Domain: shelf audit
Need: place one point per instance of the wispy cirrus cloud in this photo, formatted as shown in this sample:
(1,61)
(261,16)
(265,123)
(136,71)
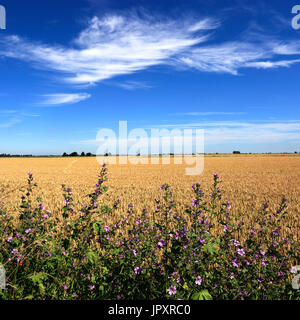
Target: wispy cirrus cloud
(208,113)
(132,85)
(9,123)
(284,124)
(34,115)
(216,133)
(244,131)
(116,45)
(111,46)
(271,64)
(13,117)
(63,98)
(230,57)
(7,112)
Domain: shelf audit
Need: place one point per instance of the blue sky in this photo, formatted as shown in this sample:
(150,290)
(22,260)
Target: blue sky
(69,68)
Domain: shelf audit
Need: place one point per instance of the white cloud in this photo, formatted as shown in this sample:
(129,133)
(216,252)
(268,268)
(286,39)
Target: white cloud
(63,98)
(132,85)
(208,113)
(231,56)
(243,131)
(7,111)
(285,48)
(118,45)
(30,115)
(9,123)
(17,117)
(218,132)
(111,46)
(271,64)
(205,24)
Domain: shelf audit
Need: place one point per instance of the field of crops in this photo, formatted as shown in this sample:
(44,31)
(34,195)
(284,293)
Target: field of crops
(242,231)
(248,181)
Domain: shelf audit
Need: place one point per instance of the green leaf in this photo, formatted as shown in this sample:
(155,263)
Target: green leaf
(202,295)
(38,277)
(91,256)
(115,251)
(185,286)
(42,288)
(97,227)
(211,248)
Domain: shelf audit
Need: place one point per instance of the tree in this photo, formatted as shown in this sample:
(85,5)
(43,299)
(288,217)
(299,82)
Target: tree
(82,154)
(65,154)
(88,154)
(236,152)
(74,154)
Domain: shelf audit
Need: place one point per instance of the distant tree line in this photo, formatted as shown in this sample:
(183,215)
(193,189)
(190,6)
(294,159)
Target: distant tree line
(75,154)
(89,154)
(7,155)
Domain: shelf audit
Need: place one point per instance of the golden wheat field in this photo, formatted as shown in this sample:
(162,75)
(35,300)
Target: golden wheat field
(248,180)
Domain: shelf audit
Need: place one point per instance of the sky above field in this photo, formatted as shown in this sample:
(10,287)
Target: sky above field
(70,68)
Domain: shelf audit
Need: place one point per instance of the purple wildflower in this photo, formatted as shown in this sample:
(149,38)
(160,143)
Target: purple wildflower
(160,244)
(235,263)
(235,242)
(264,262)
(172,290)
(228,206)
(14,251)
(198,281)
(275,244)
(137,270)
(262,252)
(241,252)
